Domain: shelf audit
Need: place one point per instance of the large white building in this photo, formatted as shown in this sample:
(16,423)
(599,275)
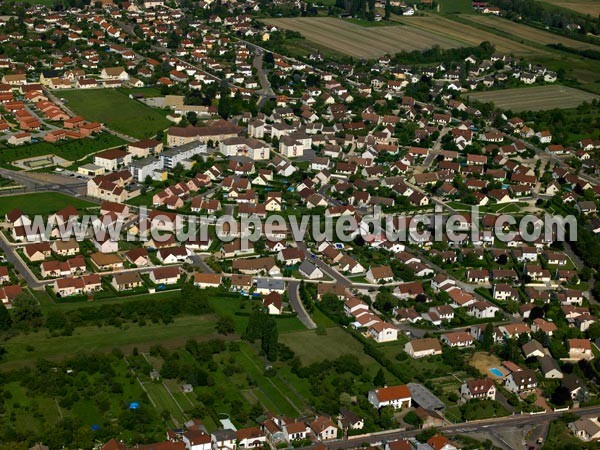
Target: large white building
(249,147)
(142,168)
(176,155)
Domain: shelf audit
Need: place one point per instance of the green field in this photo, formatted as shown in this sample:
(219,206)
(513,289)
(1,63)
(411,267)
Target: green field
(40,203)
(71,150)
(537,98)
(117,111)
(456,7)
(147,92)
(27,348)
(312,347)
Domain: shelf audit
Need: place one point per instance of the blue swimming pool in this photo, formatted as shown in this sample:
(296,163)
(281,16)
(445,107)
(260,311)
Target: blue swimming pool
(496,372)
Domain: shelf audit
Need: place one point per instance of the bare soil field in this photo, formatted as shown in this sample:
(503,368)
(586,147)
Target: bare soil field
(483,362)
(591,7)
(364,42)
(467,35)
(526,32)
(536,98)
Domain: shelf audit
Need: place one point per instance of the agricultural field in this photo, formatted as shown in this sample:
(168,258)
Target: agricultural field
(465,34)
(43,203)
(528,33)
(363,42)
(591,7)
(536,98)
(71,150)
(117,111)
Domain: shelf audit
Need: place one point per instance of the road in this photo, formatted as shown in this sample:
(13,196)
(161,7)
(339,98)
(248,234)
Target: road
(39,181)
(493,425)
(297,306)
(198,261)
(15,259)
(326,268)
(266,92)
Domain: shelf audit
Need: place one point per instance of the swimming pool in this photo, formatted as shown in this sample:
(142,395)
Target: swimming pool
(496,372)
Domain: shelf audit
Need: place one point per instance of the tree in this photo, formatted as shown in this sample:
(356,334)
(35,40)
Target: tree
(5,320)
(55,320)
(561,396)
(225,104)
(192,118)
(488,337)
(379,380)
(262,326)
(594,331)
(388,10)
(27,311)
(225,325)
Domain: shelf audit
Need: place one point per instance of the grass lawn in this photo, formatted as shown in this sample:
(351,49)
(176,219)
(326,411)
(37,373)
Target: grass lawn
(43,203)
(71,150)
(147,92)
(27,348)
(311,347)
(116,110)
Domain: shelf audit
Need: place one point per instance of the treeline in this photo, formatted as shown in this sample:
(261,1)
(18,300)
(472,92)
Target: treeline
(585,52)
(551,16)
(569,126)
(362,9)
(261,326)
(438,54)
(27,314)
(192,301)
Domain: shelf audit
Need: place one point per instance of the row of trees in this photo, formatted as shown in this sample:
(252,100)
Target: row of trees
(261,326)
(548,15)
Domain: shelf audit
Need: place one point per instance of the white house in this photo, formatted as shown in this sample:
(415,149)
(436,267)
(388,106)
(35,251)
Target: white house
(481,389)
(396,396)
(383,332)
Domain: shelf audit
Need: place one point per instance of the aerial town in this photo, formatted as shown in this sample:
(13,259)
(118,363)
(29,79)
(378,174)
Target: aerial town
(299,224)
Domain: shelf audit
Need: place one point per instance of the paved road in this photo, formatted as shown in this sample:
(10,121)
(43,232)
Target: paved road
(38,181)
(297,306)
(326,268)
(266,92)
(480,426)
(15,259)
(198,261)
